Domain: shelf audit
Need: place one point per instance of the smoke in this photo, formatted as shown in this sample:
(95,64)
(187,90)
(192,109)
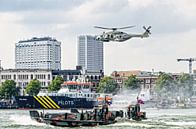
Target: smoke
(124,98)
(173,93)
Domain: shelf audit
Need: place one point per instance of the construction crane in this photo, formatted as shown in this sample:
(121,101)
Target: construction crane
(190,60)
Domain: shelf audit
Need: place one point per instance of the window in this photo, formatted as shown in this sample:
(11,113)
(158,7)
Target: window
(31,76)
(14,76)
(48,76)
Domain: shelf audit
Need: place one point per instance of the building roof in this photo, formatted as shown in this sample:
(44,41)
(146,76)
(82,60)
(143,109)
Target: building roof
(126,73)
(66,72)
(77,83)
(26,70)
(38,39)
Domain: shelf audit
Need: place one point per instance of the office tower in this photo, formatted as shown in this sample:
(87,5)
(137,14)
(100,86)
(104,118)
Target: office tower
(90,53)
(38,53)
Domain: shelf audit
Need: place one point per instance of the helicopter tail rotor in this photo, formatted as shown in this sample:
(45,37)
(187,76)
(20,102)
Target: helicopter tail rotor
(147,30)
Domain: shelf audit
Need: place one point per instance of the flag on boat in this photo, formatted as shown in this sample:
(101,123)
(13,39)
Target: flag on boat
(139,101)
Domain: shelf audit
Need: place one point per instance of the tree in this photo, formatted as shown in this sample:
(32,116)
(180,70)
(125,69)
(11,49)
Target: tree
(132,83)
(185,78)
(107,85)
(185,85)
(33,87)
(56,84)
(8,89)
(164,81)
(166,86)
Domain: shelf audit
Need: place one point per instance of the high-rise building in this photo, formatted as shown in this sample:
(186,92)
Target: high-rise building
(90,53)
(38,53)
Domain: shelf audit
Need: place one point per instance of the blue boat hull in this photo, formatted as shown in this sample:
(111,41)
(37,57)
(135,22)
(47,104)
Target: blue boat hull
(53,102)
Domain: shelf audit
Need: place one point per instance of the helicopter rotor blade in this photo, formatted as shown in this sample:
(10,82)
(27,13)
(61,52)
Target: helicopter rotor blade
(126,27)
(99,27)
(113,28)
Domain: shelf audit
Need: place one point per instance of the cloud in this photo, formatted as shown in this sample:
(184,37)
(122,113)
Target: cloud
(173,29)
(32,5)
(185,8)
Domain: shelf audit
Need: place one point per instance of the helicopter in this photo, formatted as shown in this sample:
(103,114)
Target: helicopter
(119,36)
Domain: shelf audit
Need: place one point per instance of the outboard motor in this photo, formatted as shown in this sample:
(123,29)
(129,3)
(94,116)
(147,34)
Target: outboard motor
(35,115)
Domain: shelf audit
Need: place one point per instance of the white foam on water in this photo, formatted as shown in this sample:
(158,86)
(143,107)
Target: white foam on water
(24,120)
(182,123)
(133,124)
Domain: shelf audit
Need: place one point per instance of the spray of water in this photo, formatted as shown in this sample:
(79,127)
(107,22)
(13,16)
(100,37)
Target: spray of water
(124,98)
(24,120)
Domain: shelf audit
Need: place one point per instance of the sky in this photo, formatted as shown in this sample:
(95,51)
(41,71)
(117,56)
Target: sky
(173,30)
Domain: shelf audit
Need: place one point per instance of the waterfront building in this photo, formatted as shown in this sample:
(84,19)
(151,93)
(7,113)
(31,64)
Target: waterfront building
(22,77)
(90,54)
(38,53)
(147,80)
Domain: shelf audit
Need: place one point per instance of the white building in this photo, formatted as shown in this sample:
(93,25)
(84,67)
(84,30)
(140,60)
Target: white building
(22,77)
(90,53)
(38,53)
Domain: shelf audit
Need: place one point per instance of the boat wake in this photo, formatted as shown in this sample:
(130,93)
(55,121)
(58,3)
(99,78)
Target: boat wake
(24,120)
(130,124)
(166,122)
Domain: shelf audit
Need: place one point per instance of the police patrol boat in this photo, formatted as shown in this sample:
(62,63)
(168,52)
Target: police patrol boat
(71,95)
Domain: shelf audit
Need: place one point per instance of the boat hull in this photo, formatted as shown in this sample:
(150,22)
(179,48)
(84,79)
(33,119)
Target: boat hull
(53,102)
(76,119)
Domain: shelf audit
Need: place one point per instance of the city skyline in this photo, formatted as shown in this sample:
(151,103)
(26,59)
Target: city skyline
(173,30)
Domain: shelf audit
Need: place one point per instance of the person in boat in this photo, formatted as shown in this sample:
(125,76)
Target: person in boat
(135,111)
(95,113)
(41,114)
(129,112)
(104,111)
(65,116)
(82,115)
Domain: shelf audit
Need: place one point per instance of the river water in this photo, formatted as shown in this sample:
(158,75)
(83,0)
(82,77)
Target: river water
(157,119)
